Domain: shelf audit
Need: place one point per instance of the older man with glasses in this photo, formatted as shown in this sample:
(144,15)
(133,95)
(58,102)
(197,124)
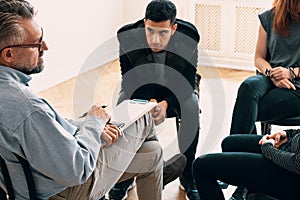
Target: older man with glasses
(67,160)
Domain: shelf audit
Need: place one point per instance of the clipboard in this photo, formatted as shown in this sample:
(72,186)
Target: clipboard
(129,111)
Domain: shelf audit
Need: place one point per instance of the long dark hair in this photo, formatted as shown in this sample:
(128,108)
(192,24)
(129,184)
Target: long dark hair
(285,12)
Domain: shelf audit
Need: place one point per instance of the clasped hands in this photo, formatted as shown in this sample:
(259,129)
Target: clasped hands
(111,132)
(280,76)
(277,139)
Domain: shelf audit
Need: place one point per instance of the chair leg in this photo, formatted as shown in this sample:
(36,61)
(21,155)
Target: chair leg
(265,128)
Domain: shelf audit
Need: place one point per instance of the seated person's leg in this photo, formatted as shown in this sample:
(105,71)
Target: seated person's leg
(227,167)
(279,103)
(173,168)
(147,168)
(114,160)
(188,137)
(250,170)
(235,168)
(241,143)
(246,106)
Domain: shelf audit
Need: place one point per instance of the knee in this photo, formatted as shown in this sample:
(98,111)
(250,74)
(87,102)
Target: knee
(201,164)
(159,152)
(158,156)
(153,148)
(251,85)
(229,143)
(225,145)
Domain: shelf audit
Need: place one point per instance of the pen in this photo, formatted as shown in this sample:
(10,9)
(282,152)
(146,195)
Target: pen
(85,114)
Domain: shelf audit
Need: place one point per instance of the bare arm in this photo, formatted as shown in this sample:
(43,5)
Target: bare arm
(279,76)
(261,51)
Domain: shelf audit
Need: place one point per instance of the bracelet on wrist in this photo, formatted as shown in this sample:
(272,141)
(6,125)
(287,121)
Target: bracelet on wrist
(292,73)
(298,72)
(267,72)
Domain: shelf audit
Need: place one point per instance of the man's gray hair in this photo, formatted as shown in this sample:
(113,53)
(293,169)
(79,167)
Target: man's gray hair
(11,14)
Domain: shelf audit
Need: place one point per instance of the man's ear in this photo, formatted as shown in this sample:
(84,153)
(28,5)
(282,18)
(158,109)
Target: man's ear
(174,27)
(7,55)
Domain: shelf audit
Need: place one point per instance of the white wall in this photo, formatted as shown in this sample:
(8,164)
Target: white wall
(133,10)
(81,34)
(73,29)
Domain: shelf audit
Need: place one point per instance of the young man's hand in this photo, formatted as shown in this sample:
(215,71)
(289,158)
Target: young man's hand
(159,112)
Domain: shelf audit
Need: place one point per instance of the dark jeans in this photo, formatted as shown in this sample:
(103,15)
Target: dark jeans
(258,99)
(243,164)
(188,134)
(190,157)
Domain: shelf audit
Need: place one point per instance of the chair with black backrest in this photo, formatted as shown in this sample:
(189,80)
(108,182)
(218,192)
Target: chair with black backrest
(190,31)
(185,28)
(9,193)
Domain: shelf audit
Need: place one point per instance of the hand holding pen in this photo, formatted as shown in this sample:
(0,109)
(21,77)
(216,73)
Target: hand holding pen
(111,131)
(97,111)
(85,114)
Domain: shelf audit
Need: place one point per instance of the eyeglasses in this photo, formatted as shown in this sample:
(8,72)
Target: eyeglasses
(39,45)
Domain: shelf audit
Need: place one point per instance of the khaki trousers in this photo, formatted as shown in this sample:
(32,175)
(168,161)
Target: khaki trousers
(132,156)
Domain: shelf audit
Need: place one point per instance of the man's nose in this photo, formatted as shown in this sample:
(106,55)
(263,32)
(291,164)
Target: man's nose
(155,38)
(45,46)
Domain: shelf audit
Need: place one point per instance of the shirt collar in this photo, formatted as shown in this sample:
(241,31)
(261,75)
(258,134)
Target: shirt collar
(14,75)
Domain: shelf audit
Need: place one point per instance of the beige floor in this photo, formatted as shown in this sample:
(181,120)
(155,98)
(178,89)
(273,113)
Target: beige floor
(217,96)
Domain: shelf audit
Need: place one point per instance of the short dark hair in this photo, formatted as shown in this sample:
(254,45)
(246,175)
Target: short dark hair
(161,10)
(11,14)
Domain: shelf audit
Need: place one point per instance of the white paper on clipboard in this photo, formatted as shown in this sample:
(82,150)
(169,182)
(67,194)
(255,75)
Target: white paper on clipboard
(129,111)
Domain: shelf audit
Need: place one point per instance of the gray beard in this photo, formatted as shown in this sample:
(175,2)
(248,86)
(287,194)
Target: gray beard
(36,70)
